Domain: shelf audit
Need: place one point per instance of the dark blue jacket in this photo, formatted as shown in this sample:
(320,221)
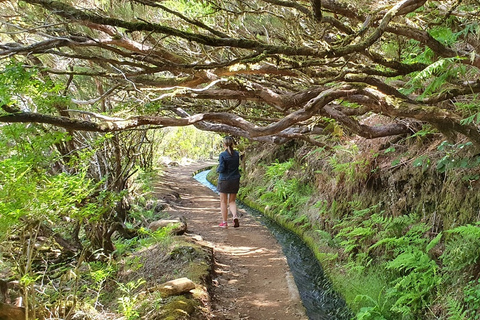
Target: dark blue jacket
(228,165)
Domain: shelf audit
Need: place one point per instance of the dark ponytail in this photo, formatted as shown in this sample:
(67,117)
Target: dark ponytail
(229,143)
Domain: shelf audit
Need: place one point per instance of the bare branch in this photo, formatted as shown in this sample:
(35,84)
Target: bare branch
(368,132)
(95,100)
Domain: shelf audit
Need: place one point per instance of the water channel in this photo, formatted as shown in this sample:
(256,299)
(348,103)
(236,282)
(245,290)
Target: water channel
(319,299)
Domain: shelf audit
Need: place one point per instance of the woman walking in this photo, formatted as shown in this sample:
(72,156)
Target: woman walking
(228,181)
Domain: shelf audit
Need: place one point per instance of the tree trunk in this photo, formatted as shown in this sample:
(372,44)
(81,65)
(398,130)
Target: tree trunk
(9,312)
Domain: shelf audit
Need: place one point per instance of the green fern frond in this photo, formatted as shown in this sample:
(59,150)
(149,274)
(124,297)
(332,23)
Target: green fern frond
(466,230)
(434,242)
(456,310)
(475,118)
(432,69)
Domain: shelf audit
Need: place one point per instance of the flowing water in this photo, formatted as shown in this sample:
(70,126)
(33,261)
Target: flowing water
(318,297)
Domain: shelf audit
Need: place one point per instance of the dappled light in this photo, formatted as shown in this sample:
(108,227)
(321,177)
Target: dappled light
(349,132)
(243,251)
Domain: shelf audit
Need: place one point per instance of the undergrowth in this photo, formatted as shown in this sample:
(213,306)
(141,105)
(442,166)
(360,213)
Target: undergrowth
(398,254)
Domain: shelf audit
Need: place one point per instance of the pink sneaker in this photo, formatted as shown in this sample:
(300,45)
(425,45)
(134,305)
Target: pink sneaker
(223,225)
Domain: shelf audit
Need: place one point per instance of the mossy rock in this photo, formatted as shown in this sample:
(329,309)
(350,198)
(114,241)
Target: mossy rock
(185,252)
(177,308)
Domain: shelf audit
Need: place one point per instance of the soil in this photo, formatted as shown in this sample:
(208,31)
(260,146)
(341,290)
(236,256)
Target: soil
(251,276)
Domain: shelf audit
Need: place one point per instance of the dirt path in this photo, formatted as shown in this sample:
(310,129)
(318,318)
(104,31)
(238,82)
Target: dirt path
(253,280)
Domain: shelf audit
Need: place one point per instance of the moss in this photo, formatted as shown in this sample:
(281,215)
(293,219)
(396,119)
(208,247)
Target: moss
(179,307)
(182,258)
(404,184)
(199,271)
(212,176)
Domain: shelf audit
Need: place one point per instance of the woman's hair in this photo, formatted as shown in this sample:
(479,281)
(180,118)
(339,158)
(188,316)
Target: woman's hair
(229,143)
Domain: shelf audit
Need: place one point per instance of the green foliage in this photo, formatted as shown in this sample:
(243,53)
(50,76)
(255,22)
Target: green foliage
(365,292)
(285,195)
(455,310)
(422,161)
(16,83)
(471,299)
(190,143)
(101,271)
(413,272)
(349,165)
(453,159)
(463,248)
(191,8)
(96,278)
(475,118)
(161,236)
(376,311)
(325,238)
(30,192)
(417,279)
(414,237)
(424,132)
(302,221)
(356,232)
(435,76)
(413,275)
(414,53)
(354,237)
(279,169)
(444,34)
(15,80)
(439,72)
(127,303)
(469,307)
(471,109)
(350,170)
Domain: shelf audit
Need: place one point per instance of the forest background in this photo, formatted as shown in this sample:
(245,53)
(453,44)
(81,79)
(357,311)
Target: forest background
(358,121)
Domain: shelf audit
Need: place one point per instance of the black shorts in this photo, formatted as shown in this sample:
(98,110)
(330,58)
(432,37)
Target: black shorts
(228,186)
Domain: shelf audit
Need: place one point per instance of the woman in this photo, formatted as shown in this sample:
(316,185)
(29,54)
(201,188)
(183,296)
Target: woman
(228,181)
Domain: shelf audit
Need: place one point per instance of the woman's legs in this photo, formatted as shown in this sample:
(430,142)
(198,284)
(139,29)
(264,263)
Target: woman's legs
(227,201)
(223,206)
(232,204)
(233,208)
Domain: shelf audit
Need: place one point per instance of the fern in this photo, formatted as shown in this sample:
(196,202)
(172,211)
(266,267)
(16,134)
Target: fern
(279,170)
(435,76)
(377,309)
(473,28)
(354,237)
(456,310)
(433,69)
(444,34)
(285,196)
(467,230)
(417,279)
(414,237)
(356,232)
(471,109)
(398,225)
(434,242)
(475,118)
(463,248)
(471,299)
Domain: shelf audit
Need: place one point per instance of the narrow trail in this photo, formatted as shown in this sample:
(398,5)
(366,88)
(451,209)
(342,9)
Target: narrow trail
(252,279)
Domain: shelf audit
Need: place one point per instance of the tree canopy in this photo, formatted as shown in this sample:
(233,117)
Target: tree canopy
(268,70)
